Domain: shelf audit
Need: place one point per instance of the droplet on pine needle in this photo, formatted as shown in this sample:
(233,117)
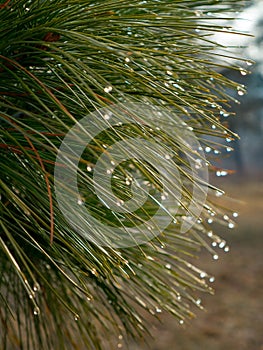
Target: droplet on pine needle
(203,274)
(249,63)
(243,71)
(106,116)
(219,193)
(36,311)
(198,13)
(222,244)
(36,287)
(108,89)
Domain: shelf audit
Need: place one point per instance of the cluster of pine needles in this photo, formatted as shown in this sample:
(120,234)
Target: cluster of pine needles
(59,62)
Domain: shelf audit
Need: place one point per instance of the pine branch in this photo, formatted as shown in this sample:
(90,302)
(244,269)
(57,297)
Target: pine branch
(151,66)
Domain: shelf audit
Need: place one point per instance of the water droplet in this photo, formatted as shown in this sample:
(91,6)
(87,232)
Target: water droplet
(208,149)
(249,63)
(89,168)
(214,244)
(36,311)
(226,249)
(168,266)
(158,310)
(210,221)
(221,173)
(219,193)
(231,225)
(36,287)
(215,257)
(203,274)
(169,72)
(106,116)
(119,345)
(127,59)
(94,271)
(119,203)
(210,233)
(212,279)
(76,317)
(150,258)
(229,149)
(198,301)
(213,127)
(181,321)
(235,215)
(108,89)
(243,71)
(226,217)
(80,201)
(120,337)
(198,13)
(222,244)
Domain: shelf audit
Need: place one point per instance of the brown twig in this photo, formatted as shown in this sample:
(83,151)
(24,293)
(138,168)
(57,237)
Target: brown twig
(4,4)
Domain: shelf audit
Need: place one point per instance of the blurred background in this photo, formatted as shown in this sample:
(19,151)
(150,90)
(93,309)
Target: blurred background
(233,318)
